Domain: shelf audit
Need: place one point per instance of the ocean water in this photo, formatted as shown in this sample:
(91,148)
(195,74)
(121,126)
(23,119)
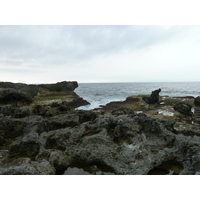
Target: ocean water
(102,93)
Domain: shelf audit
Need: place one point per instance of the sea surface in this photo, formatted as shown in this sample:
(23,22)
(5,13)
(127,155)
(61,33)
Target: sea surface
(102,93)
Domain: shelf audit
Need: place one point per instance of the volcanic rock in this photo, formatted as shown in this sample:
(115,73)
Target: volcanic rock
(122,111)
(197,101)
(60,86)
(183,108)
(154,97)
(196,115)
(54,138)
(19,93)
(124,144)
(25,146)
(16,97)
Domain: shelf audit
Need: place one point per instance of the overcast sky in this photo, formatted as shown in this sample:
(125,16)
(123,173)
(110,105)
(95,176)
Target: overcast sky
(46,54)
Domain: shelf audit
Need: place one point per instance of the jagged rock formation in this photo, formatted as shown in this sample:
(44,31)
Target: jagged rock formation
(15,97)
(60,86)
(6,87)
(197,101)
(153,98)
(129,137)
(183,108)
(122,111)
(53,139)
(19,93)
(33,89)
(196,115)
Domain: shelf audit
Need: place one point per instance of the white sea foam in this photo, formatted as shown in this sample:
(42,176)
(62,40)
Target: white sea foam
(165,112)
(138,112)
(192,110)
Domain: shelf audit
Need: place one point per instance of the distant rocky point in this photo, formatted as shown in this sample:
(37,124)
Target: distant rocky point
(20,93)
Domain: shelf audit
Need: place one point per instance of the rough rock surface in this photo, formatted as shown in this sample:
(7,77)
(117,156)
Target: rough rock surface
(129,137)
(183,108)
(15,97)
(34,89)
(23,94)
(196,114)
(197,101)
(122,111)
(51,139)
(153,98)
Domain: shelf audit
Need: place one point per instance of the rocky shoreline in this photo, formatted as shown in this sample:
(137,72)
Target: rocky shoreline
(47,135)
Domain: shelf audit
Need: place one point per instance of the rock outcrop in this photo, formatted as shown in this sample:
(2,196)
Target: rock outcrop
(34,89)
(122,111)
(23,94)
(5,87)
(153,98)
(60,86)
(52,139)
(197,101)
(129,137)
(183,108)
(15,97)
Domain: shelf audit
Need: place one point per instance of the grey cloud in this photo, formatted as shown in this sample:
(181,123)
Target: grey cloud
(21,71)
(57,45)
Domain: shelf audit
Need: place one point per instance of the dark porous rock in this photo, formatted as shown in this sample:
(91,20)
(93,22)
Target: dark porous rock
(24,166)
(44,154)
(62,107)
(25,146)
(2,131)
(40,110)
(16,98)
(63,121)
(77,102)
(196,115)
(2,140)
(85,116)
(187,129)
(60,86)
(169,124)
(123,111)
(16,112)
(154,97)
(44,167)
(20,94)
(21,112)
(132,99)
(189,148)
(46,110)
(124,145)
(58,122)
(52,139)
(197,101)
(7,110)
(183,108)
(33,89)
(196,112)
(11,128)
(57,140)
(19,166)
(59,160)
